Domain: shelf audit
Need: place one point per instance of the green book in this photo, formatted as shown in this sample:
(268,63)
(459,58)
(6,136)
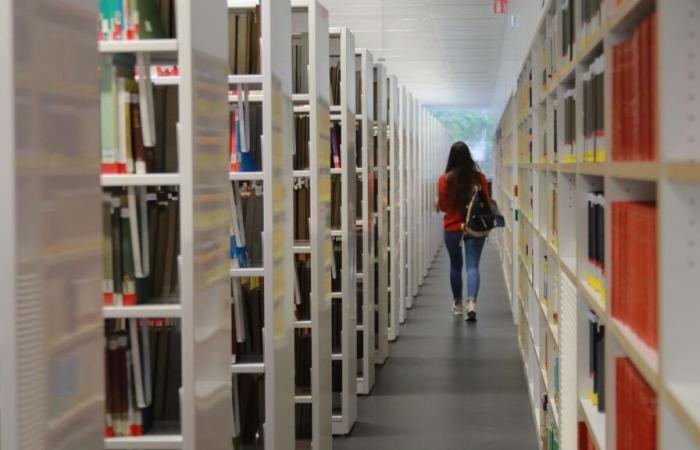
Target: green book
(128,275)
(150,23)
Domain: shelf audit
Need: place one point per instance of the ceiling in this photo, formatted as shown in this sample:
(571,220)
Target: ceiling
(446,52)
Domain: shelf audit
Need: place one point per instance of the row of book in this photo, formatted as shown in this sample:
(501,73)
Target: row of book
(636,409)
(585,439)
(635,131)
(635,268)
(591,17)
(138,130)
(596,360)
(143,376)
(249,411)
(247,319)
(594,111)
(596,229)
(302,209)
(245,144)
(569,150)
(244,33)
(135,19)
(246,244)
(549,432)
(335,84)
(302,288)
(300,63)
(568,30)
(140,246)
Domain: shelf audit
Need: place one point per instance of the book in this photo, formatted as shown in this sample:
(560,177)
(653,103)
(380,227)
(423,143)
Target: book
(244,34)
(142,356)
(636,409)
(635,94)
(635,268)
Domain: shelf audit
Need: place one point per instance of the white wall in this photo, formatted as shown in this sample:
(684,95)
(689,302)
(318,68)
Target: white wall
(524,16)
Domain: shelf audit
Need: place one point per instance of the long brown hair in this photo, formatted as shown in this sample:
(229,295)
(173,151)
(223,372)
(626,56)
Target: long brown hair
(462,175)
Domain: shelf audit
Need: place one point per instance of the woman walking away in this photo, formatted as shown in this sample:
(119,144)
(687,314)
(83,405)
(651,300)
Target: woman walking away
(455,188)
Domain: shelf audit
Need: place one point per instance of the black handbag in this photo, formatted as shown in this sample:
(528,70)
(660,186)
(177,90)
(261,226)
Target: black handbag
(481,216)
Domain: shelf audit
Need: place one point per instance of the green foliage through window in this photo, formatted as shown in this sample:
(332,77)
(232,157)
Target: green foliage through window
(475,127)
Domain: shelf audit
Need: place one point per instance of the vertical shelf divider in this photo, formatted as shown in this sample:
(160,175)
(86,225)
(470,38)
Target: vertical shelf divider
(366,381)
(343,423)
(380,206)
(395,208)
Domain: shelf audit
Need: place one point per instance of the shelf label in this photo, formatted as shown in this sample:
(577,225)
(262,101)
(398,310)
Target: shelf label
(500,6)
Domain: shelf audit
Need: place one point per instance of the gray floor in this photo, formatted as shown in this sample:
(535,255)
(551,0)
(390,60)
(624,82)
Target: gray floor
(449,385)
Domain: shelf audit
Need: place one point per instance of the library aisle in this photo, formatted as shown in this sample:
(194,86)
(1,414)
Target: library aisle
(449,385)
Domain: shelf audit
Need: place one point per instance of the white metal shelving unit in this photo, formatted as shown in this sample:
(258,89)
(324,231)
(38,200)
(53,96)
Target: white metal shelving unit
(312,18)
(403,173)
(382,214)
(672,371)
(50,264)
(342,44)
(365,173)
(394,242)
(275,93)
(204,363)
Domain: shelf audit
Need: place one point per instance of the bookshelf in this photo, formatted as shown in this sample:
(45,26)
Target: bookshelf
(569,182)
(381,214)
(365,223)
(50,321)
(342,50)
(195,193)
(393,170)
(411,254)
(403,201)
(261,185)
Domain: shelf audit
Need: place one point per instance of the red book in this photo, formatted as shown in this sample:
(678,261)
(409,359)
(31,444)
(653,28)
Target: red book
(654,72)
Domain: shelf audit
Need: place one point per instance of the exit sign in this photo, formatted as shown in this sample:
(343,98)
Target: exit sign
(500,6)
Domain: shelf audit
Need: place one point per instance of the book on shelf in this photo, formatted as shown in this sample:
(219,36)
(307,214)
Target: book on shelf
(302,303)
(249,410)
(549,433)
(335,145)
(302,209)
(246,223)
(635,268)
(300,63)
(335,83)
(569,151)
(594,111)
(568,27)
(135,19)
(591,18)
(245,134)
(244,34)
(128,118)
(596,361)
(140,246)
(302,136)
(635,128)
(596,241)
(636,409)
(248,319)
(555,149)
(585,439)
(143,363)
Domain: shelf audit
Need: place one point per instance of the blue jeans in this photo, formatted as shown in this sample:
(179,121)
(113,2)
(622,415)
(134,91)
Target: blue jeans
(472,255)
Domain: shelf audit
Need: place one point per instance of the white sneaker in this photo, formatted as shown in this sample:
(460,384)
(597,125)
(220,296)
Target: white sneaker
(470,316)
(457,308)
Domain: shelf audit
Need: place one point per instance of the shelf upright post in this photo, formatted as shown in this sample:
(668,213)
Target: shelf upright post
(319,231)
(206,412)
(278,235)
(49,263)
(394,213)
(380,206)
(403,210)
(410,204)
(343,422)
(365,382)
